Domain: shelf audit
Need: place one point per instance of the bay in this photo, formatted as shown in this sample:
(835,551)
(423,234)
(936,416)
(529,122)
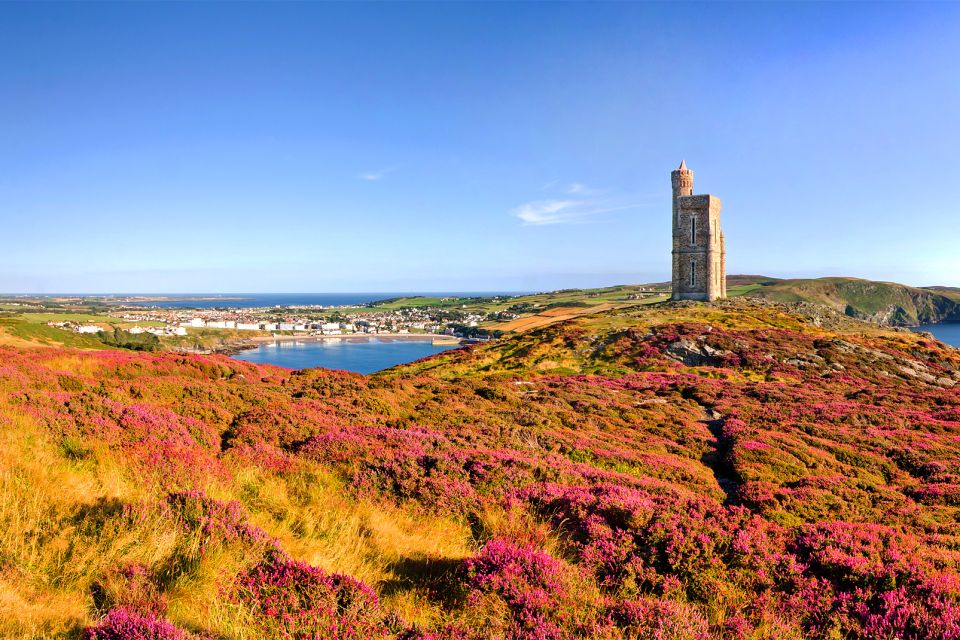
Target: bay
(948,333)
(360,355)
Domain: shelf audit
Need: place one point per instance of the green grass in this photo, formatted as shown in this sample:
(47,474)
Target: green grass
(45,317)
(577,297)
(743,289)
(46,335)
(206,339)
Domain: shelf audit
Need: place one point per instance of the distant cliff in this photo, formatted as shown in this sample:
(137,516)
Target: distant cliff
(887,303)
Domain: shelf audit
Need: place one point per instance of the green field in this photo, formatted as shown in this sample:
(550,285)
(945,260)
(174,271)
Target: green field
(41,333)
(564,297)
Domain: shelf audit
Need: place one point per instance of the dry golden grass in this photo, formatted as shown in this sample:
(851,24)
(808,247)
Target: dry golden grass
(28,611)
(74,364)
(315,521)
(8,340)
(63,527)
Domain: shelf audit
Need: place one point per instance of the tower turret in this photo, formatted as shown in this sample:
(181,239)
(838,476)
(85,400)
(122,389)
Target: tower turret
(682,180)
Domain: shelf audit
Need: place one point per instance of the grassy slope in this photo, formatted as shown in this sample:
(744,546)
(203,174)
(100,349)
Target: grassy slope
(951,292)
(886,302)
(32,328)
(29,331)
(397,478)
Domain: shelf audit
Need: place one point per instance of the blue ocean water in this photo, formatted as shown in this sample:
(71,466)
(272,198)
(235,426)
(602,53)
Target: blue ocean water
(365,355)
(949,333)
(248,300)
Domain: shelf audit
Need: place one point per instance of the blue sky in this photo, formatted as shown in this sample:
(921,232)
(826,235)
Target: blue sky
(173,147)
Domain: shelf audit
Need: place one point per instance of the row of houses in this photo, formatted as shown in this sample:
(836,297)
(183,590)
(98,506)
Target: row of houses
(165,330)
(328,328)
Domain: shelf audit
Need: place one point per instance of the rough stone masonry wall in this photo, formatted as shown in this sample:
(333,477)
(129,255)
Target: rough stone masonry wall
(700,254)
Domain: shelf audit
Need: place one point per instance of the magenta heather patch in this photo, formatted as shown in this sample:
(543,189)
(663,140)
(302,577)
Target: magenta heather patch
(659,619)
(293,600)
(546,598)
(126,624)
(446,633)
(878,582)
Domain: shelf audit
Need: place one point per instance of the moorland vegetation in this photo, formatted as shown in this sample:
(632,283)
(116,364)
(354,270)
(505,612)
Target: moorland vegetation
(742,470)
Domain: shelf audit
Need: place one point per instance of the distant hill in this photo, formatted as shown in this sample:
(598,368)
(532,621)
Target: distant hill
(743,280)
(951,292)
(887,303)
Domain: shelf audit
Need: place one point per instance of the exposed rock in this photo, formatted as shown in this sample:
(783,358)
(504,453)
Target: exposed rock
(695,355)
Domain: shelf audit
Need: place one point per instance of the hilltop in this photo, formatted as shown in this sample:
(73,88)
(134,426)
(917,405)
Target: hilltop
(674,471)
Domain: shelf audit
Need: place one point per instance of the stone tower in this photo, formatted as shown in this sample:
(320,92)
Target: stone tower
(699,253)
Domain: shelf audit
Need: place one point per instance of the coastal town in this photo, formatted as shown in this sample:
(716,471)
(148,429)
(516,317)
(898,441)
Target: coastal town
(315,321)
(199,324)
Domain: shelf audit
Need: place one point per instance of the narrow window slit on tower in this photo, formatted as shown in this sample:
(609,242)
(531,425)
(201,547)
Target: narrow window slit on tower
(693,230)
(693,272)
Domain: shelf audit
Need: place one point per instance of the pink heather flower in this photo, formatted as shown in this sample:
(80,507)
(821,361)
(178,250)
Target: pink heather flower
(659,619)
(292,599)
(125,624)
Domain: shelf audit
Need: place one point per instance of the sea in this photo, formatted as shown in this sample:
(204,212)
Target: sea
(251,300)
(360,355)
(948,333)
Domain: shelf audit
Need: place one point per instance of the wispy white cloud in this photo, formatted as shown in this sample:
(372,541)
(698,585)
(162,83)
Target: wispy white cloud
(544,212)
(373,176)
(580,189)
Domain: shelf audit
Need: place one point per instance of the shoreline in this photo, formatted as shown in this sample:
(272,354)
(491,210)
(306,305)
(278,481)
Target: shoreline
(434,338)
(247,343)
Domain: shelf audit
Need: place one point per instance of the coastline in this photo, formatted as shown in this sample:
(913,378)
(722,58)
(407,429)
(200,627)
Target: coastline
(946,332)
(435,338)
(246,343)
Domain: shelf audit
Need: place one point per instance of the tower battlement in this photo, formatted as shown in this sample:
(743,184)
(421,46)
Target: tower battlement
(699,248)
